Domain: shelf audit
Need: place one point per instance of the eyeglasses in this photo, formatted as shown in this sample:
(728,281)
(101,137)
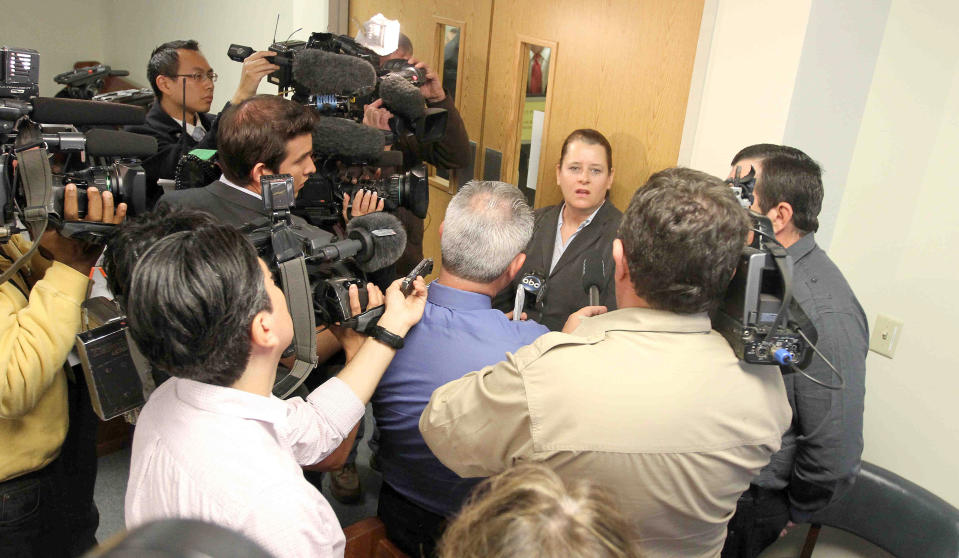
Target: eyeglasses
(198,77)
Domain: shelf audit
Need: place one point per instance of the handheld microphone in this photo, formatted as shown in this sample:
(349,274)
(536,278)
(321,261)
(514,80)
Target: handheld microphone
(374,240)
(327,73)
(594,277)
(44,110)
(529,292)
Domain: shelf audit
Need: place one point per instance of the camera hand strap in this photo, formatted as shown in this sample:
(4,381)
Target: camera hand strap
(296,289)
(33,167)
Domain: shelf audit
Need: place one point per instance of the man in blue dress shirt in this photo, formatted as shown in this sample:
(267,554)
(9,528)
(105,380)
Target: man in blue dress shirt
(486,227)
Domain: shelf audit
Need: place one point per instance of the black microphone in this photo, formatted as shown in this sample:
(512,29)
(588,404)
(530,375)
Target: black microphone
(114,143)
(84,113)
(531,289)
(326,73)
(375,240)
(345,138)
(44,110)
(103,143)
(594,278)
(402,97)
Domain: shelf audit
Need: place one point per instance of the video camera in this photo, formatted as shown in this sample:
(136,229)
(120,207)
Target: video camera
(84,83)
(337,76)
(758,316)
(314,268)
(31,127)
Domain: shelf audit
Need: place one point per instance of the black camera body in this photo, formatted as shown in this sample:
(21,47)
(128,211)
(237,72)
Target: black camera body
(758,316)
(20,74)
(321,201)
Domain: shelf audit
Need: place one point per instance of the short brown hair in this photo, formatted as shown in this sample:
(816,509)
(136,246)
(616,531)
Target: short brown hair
(683,234)
(256,131)
(589,137)
(529,511)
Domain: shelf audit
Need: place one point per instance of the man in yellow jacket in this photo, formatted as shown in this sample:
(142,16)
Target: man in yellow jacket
(41,485)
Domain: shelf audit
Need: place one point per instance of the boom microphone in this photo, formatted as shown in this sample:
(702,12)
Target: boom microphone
(114,143)
(402,97)
(326,73)
(594,277)
(375,240)
(345,138)
(84,113)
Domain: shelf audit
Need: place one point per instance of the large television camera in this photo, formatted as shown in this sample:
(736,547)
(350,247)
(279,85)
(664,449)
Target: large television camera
(31,192)
(337,76)
(758,316)
(315,270)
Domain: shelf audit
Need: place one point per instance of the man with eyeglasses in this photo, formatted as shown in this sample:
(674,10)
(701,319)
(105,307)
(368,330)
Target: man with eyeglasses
(183,83)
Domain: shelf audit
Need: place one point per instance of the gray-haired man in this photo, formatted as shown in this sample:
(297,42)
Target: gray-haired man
(487,225)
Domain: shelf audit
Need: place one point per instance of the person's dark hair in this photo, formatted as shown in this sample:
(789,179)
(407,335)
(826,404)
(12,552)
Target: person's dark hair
(192,300)
(796,181)
(764,150)
(589,137)
(256,131)
(165,61)
(682,235)
(132,239)
(405,44)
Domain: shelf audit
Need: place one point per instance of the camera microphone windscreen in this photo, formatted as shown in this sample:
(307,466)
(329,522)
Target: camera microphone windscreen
(387,248)
(345,138)
(114,143)
(84,113)
(327,73)
(594,278)
(402,97)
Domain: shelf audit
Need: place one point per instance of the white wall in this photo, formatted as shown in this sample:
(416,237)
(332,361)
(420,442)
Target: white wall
(138,26)
(871,89)
(78,34)
(895,239)
(749,77)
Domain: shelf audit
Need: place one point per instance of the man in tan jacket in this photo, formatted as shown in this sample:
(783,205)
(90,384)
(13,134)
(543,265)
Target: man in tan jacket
(646,400)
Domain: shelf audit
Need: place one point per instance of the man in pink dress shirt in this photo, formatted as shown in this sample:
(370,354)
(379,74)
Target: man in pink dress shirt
(212,443)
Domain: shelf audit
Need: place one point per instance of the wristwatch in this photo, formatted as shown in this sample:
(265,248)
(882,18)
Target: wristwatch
(385,336)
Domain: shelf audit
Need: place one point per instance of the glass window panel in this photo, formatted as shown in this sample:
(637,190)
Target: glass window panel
(533,117)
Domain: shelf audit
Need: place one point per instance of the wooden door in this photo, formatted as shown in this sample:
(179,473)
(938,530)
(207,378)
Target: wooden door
(622,67)
(425,23)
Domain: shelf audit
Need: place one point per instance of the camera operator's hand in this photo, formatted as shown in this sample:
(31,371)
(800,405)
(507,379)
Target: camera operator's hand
(433,89)
(255,68)
(79,255)
(351,339)
(403,312)
(374,115)
(585,312)
(366,202)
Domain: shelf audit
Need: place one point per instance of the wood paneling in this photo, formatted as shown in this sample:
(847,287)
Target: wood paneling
(622,67)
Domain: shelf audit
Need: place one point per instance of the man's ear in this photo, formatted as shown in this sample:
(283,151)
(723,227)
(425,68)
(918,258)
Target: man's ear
(514,266)
(166,84)
(263,332)
(441,228)
(259,170)
(781,216)
(620,268)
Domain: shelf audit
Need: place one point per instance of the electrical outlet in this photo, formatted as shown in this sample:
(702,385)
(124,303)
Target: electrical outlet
(885,335)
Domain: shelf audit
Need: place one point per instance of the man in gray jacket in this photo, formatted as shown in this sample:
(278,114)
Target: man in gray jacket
(821,451)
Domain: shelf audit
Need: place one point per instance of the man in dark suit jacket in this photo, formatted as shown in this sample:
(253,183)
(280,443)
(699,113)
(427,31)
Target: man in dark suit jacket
(261,136)
(183,83)
(564,292)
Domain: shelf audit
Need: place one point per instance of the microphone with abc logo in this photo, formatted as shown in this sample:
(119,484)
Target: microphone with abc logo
(529,293)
